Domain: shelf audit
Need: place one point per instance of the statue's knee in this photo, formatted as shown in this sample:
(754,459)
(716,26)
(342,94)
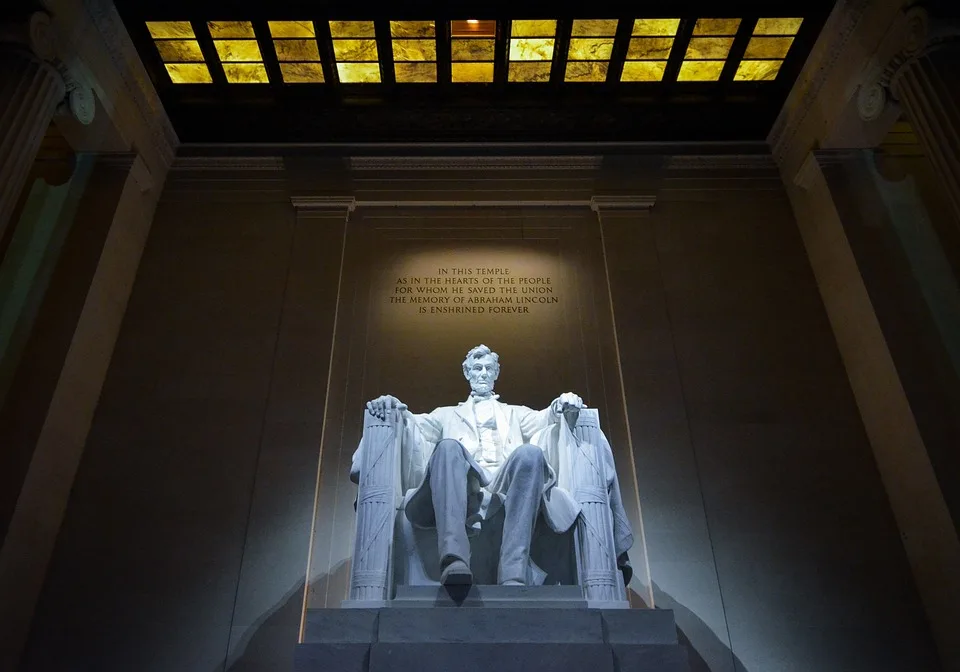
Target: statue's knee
(529,455)
(447,448)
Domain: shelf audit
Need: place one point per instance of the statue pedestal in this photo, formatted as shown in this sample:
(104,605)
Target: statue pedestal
(478,637)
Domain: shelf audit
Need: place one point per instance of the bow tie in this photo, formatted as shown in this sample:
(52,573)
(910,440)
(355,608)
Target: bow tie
(478,397)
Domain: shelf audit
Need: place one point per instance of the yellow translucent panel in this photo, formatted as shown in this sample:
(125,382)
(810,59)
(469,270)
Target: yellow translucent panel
(534,28)
(359,73)
(412,73)
(352,29)
(170,29)
(471,50)
(188,73)
(245,73)
(414,50)
(757,71)
(700,71)
(471,72)
(291,28)
(529,72)
(768,47)
(590,48)
(586,71)
(179,50)
(709,47)
(238,50)
(594,28)
(716,27)
(301,73)
(355,50)
(777,26)
(296,50)
(531,49)
(649,48)
(412,29)
(643,71)
(655,27)
(220,29)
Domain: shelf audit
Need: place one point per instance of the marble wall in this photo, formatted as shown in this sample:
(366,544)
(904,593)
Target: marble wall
(184,545)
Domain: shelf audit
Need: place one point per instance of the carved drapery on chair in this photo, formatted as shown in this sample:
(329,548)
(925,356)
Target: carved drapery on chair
(582,471)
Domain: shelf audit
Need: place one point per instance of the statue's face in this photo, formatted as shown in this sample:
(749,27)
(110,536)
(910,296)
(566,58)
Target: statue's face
(482,374)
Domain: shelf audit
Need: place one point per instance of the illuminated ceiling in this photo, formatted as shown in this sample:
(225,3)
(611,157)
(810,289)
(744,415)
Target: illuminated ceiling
(299,72)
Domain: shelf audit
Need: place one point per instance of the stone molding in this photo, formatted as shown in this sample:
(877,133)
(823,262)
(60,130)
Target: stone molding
(244,163)
(313,204)
(475,162)
(637,202)
(720,162)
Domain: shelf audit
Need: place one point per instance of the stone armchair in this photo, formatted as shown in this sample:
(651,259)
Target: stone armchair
(389,552)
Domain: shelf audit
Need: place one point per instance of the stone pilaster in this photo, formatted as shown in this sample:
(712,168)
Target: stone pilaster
(31,88)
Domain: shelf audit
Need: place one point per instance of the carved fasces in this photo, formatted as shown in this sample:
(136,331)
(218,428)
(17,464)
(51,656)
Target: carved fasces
(599,575)
(377,501)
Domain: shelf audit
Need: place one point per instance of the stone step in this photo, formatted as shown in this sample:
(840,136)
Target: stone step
(517,638)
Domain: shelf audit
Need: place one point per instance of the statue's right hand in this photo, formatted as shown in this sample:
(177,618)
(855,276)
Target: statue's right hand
(382,405)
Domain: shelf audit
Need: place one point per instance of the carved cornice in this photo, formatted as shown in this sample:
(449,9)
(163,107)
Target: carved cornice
(136,82)
(638,202)
(475,163)
(840,27)
(721,162)
(245,163)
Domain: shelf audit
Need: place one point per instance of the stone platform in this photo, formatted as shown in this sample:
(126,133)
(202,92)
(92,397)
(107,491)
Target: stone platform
(451,638)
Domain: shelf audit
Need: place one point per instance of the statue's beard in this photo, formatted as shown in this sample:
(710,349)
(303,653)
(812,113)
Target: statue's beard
(482,389)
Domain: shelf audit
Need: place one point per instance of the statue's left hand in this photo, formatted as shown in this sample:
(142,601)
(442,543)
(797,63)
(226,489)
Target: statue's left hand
(568,401)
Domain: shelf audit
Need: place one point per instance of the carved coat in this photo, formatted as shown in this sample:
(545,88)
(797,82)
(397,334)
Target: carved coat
(517,425)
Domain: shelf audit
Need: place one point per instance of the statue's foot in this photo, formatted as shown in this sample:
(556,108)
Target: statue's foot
(457,573)
(513,582)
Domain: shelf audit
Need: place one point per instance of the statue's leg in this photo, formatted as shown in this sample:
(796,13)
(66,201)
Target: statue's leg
(522,478)
(448,489)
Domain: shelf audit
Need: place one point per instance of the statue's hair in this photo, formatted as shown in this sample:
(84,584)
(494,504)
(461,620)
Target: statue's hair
(476,353)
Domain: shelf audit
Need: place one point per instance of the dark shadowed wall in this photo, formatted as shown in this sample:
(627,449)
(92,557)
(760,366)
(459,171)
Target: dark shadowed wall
(768,531)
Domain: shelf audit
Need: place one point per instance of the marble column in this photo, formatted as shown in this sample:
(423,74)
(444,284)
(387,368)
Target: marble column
(31,88)
(923,76)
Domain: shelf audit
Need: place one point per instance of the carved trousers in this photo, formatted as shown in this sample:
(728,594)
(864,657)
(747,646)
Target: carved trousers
(520,483)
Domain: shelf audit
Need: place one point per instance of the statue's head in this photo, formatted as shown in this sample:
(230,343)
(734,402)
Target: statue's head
(481,368)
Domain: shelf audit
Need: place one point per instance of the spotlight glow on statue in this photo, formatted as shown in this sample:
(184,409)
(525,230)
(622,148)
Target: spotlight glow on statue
(477,457)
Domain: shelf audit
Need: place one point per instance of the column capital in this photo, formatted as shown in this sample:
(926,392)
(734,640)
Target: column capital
(34,35)
(916,33)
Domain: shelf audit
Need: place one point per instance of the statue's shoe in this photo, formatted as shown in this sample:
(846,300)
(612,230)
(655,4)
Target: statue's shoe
(457,573)
(513,582)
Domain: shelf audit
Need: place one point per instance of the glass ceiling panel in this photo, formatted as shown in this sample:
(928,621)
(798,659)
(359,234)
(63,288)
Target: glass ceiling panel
(531,45)
(655,27)
(281,29)
(180,52)
(472,49)
(355,51)
(650,45)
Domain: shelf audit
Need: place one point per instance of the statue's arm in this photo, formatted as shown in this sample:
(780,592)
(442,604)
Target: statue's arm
(533,421)
(419,434)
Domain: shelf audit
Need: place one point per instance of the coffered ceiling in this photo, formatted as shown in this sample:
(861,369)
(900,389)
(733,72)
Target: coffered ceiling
(279,72)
